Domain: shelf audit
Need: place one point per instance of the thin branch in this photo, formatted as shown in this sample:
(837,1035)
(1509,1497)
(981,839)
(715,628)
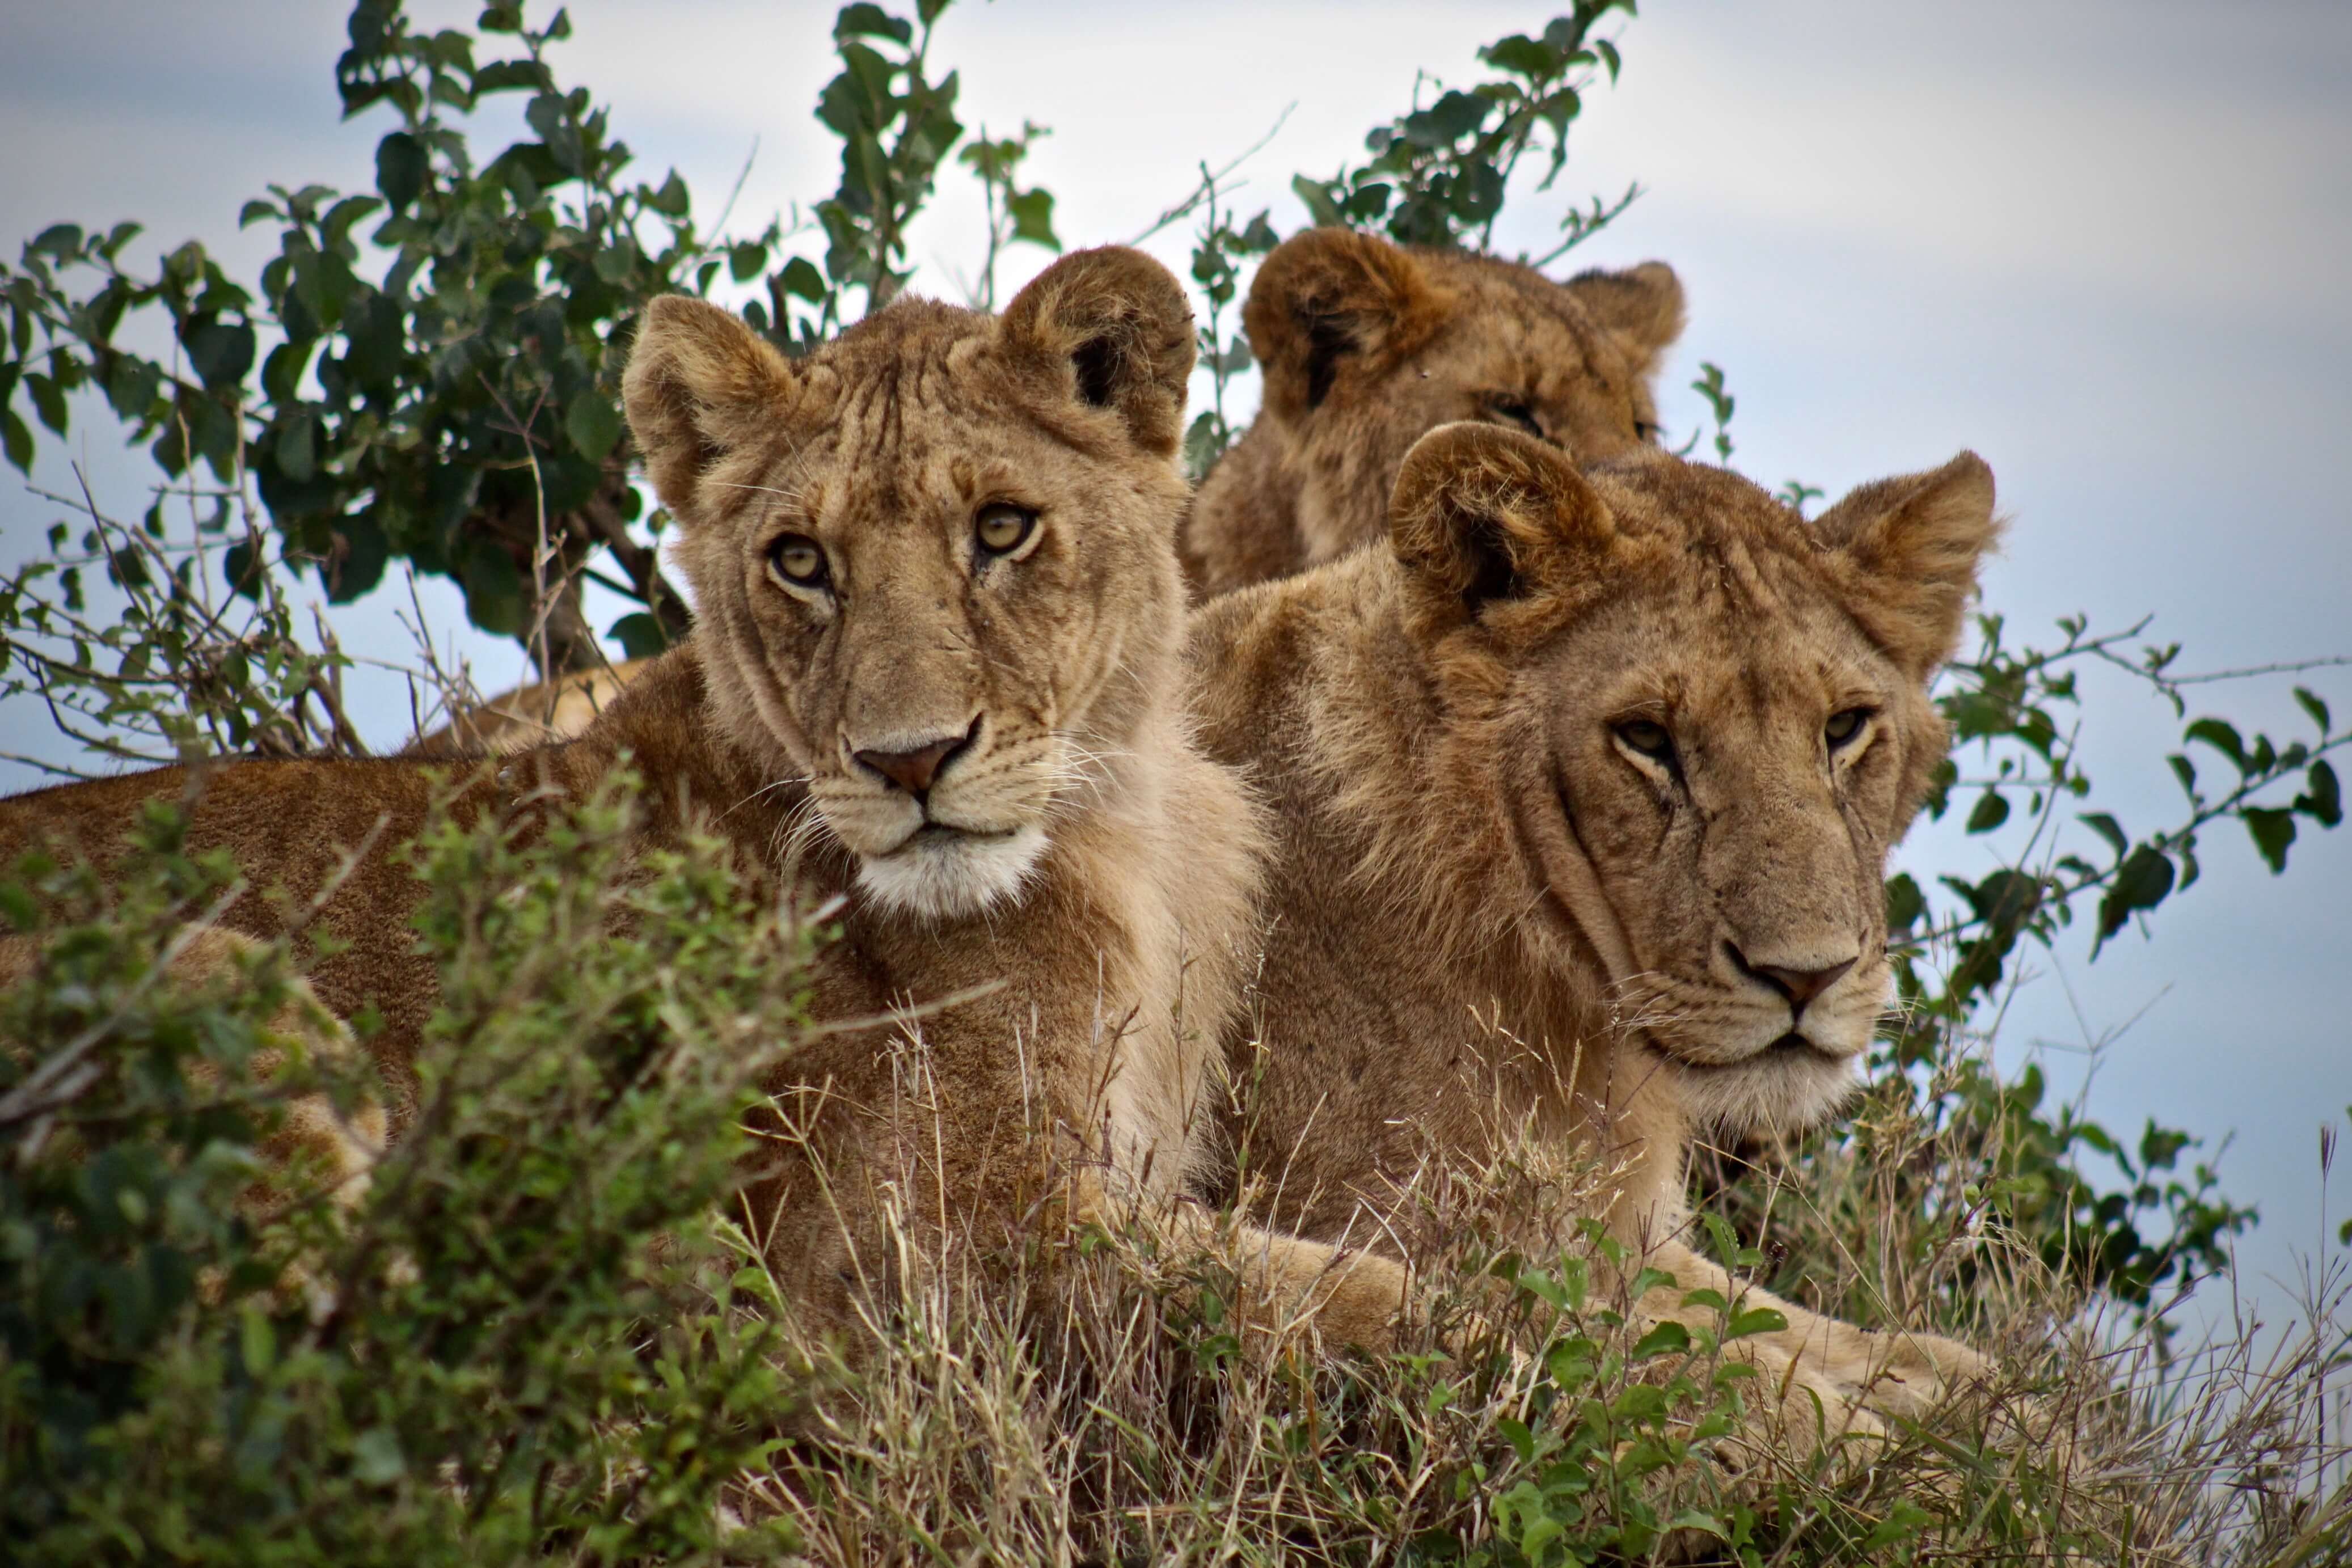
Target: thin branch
(1207,190)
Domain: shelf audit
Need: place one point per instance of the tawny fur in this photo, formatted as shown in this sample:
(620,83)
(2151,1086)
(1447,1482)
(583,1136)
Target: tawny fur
(1057,1032)
(1366,346)
(1488,914)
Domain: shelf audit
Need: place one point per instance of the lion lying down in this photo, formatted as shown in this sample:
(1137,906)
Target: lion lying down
(1582,791)
(934,677)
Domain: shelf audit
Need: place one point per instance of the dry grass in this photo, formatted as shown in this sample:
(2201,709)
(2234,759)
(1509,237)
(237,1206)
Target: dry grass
(1108,1410)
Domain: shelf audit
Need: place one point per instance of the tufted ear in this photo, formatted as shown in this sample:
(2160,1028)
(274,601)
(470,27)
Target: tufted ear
(1330,298)
(1641,308)
(1482,515)
(700,383)
(1110,329)
(1916,541)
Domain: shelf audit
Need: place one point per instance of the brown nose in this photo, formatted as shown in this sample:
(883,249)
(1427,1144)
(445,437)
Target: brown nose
(913,771)
(1799,985)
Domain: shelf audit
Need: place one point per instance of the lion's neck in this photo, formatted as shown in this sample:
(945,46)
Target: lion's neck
(1399,852)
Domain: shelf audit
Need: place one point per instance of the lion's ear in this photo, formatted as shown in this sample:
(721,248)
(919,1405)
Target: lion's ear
(1111,329)
(700,383)
(1917,540)
(1482,514)
(1329,298)
(1641,308)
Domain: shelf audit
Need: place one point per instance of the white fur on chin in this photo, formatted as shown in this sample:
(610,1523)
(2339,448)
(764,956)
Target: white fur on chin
(936,877)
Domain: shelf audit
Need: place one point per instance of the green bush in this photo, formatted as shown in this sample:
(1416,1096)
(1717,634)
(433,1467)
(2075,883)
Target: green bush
(526,1340)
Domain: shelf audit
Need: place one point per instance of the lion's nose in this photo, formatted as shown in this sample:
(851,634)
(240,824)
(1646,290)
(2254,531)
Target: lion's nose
(1799,985)
(915,770)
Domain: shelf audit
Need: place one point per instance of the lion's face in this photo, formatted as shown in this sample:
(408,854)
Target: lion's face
(932,562)
(1368,346)
(1704,722)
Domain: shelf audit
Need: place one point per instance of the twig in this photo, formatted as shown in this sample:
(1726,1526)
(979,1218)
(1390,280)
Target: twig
(1206,190)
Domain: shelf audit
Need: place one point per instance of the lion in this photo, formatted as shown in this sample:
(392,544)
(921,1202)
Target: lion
(1366,345)
(1582,793)
(933,685)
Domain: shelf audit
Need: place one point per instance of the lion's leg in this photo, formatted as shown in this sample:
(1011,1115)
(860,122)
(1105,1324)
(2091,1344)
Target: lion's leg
(1340,1297)
(1836,1379)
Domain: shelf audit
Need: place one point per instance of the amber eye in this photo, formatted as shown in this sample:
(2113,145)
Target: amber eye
(1647,738)
(1512,412)
(1844,727)
(798,559)
(1003,527)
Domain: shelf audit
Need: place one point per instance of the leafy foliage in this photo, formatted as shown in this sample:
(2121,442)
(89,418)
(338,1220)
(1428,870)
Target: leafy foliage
(509,1348)
(1439,175)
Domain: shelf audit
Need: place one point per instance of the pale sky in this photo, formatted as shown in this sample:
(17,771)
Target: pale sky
(2104,243)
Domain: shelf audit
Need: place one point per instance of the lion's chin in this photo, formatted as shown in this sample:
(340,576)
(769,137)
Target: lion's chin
(941,873)
(1788,1086)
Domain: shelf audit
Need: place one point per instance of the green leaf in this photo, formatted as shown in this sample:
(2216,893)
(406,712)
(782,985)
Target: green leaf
(593,424)
(1667,1338)
(2107,828)
(1991,811)
(2314,707)
(864,20)
(640,634)
(376,1458)
(221,352)
(801,278)
(2186,771)
(48,401)
(2222,735)
(1523,55)
(616,261)
(257,1344)
(401,167)
(2323,798)
(297,447)
(1320,206)
(673,200)
(1453,116)
(2142,881)
(1032,218)
(1904,903)
(2272,831)
(17,441)
(1755,1321)
(58,241)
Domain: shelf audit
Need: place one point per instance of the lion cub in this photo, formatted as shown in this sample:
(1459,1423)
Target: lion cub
(933,676)
(1583,789)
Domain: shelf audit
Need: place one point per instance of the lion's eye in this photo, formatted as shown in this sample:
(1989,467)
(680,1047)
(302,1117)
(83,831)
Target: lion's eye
(1844,727)
(798,559)
(1512,412)
(1003,527)
(1647,738)
(1647,430)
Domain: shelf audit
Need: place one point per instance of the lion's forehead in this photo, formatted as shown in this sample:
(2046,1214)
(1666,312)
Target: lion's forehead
(1749,636)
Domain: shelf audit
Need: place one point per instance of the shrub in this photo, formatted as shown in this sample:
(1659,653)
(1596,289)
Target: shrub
(523,1339)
